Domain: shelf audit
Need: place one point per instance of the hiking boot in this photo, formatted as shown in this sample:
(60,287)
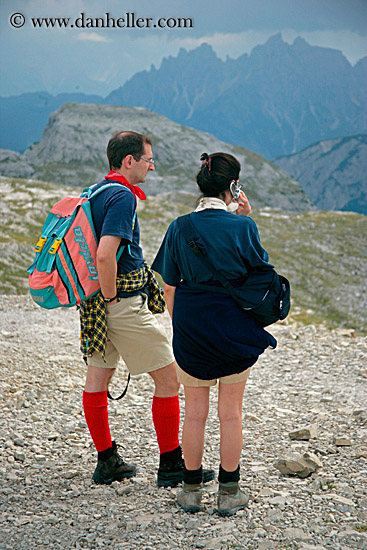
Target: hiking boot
(190,497)
(231,499)
(171,468)
(111,467)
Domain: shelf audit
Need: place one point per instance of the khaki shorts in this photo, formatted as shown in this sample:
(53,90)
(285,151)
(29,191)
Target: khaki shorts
(193,382)
(135,335)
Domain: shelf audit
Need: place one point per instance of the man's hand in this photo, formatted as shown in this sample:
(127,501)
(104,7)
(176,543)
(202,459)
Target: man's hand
(244,207)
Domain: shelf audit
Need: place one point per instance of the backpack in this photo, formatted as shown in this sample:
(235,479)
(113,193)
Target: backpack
(64,272)
(264,294)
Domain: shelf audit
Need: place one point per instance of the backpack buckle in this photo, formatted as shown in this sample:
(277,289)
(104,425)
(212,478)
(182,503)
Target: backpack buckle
(40,244)
(54,248)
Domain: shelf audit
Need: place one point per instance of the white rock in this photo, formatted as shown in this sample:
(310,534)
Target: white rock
(304,433)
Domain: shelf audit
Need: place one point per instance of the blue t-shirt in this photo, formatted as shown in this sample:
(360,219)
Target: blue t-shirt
(113,213)
(232,242)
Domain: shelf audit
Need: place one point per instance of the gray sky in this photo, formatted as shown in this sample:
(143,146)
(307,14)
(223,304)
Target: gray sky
(98,60)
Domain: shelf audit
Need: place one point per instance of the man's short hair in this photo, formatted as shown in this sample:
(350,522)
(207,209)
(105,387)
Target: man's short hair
(126,143)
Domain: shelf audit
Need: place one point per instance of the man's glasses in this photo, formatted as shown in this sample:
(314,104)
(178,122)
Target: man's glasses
(149,161)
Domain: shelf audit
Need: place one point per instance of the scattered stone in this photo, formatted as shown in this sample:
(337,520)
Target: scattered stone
(342,441)
(342,500)
(301,466)
(305,546)
(47,498)
(305,433)
(265,492)
(22,520)
(261,533)
(71,474)
(249,416)
(19,456)
(347,332)
(296,534)
(123,490)
(192,524)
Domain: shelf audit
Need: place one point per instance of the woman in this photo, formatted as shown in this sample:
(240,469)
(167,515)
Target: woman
(213,338)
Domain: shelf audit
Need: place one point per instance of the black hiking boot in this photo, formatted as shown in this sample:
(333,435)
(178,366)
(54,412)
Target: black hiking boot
(171,468)
(111,467)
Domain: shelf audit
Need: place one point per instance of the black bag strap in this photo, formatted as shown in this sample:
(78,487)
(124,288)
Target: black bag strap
(123,393)
(192,237)
(198,247)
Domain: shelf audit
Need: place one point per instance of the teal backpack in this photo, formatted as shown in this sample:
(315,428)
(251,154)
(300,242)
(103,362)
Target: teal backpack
(64,272)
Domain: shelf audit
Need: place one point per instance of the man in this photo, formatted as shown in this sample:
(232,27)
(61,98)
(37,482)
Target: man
(117,322)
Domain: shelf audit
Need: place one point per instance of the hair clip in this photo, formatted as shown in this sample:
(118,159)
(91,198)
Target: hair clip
(207,163)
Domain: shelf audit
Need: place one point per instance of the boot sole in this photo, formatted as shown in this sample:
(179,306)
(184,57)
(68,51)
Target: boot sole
(191,509)
(109,480)
(231,511)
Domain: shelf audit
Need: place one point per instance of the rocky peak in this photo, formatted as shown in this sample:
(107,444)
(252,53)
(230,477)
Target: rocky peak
(73,150)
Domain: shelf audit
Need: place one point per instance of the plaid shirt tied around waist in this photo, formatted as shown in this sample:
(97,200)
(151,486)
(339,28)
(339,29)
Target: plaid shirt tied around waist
(93,318)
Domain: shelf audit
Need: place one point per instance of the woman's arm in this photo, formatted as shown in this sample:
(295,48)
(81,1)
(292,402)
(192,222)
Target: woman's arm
(244,207)
(169,294)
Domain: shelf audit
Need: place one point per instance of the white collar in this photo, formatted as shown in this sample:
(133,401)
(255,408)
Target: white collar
(216,204)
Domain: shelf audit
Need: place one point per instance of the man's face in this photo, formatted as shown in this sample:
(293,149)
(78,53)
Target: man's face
(142,167)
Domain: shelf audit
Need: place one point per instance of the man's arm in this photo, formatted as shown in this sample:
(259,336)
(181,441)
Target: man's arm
(169,294)
(107,265)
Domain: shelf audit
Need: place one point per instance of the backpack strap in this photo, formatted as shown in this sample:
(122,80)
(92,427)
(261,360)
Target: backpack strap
(89,193)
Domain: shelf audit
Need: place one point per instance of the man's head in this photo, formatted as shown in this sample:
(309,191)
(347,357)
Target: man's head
(130,154)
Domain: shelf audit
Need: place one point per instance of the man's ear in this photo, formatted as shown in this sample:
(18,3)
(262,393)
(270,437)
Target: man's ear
(128,161)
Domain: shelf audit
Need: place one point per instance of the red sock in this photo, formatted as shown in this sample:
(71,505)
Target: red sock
(96,415)
(166,419)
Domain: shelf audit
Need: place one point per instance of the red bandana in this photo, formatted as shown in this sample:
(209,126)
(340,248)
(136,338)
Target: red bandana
(115,176)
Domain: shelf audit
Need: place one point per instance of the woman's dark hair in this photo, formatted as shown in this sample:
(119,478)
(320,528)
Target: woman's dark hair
(216,173)
(126,143)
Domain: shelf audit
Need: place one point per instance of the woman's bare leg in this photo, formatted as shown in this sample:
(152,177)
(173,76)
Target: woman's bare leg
(230,417)
(196,413)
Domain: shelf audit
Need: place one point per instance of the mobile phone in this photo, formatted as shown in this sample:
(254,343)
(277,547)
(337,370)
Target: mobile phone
(235,189)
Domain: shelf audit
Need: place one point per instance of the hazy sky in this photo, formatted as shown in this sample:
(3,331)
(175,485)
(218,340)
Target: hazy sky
(98,60)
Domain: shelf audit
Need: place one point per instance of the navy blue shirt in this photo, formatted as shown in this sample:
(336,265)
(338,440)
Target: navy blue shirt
(232,242)
(114,213)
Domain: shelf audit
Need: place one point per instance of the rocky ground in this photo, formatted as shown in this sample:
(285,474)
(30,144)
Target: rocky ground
(48,501)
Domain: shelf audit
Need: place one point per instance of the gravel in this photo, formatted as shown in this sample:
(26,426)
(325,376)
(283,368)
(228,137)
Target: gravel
(48,501)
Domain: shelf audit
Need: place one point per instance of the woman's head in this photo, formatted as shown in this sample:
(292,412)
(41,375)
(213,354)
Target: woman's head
(216,174)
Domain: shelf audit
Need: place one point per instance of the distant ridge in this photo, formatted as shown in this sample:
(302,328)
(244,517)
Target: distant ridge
(24,117)
(276,101)
(333,173)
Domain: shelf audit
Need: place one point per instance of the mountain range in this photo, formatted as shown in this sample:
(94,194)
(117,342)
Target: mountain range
(276,101)
(333,173)
(73,151)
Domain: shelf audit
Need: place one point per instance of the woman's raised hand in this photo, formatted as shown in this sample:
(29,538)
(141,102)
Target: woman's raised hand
(244,207)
